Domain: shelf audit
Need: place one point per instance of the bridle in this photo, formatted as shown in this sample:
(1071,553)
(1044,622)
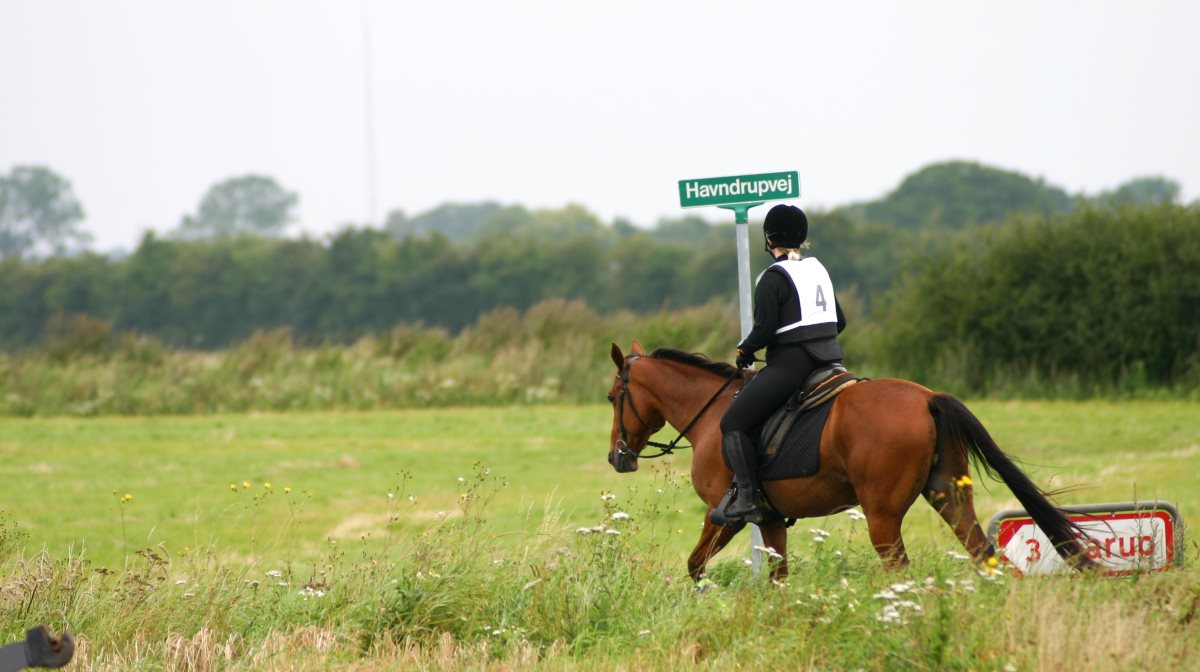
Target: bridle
(622,444)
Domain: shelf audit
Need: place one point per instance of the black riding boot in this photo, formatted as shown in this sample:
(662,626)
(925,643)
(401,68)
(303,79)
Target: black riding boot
(745,501)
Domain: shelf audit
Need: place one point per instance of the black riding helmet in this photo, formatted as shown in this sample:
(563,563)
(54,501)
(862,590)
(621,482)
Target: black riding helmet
(785,226)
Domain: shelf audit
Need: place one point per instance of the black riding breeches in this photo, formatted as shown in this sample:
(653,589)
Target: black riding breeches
(787,368)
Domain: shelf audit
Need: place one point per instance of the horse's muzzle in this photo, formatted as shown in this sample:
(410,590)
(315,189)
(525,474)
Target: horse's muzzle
(622,458)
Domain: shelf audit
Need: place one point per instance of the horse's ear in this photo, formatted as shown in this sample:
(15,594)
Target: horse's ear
(617,357)
(636,348)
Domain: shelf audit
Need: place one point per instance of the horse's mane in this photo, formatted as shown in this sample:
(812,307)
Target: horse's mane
(695,359)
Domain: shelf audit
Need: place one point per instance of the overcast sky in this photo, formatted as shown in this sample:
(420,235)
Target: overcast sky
(144,104)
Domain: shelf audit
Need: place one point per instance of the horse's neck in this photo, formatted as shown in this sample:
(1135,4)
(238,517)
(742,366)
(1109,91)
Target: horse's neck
(683,393)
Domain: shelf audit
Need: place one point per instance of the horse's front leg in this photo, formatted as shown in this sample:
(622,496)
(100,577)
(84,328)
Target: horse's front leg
(775,538)
(712,539)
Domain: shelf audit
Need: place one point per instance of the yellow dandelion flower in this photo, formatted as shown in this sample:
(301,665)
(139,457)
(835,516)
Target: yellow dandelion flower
(287,489)
(127,498)
(992,561)
(963,482)
(245,484)
(233,487)
(267,485)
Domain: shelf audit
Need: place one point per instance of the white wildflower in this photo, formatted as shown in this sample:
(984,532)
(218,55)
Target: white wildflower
(991,573)
(607,496)
(855,514)
(884,595)
(275,574)
(180,582)
(612,531)
(620,515)
(769,551)
(889,614)
(643,633)
(818,532)
(583,530)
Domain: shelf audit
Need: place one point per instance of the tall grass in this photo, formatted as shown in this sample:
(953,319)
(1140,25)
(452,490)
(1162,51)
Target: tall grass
(606,596)
(552,353)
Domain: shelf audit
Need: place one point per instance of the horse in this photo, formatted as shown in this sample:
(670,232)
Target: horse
(885,443)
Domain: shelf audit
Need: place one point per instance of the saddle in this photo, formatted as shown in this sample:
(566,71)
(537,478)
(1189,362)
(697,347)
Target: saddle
(789,441)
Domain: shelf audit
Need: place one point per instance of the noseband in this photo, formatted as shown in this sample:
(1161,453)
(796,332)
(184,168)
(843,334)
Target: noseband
(665,448)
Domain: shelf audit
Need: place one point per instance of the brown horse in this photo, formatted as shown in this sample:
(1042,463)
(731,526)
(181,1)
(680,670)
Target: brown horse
(885,443)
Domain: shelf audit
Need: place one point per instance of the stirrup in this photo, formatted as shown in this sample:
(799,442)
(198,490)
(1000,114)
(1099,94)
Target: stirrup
(721,516)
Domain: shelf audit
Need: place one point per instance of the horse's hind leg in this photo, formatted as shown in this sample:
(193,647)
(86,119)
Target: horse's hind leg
(712,539)
(952,497)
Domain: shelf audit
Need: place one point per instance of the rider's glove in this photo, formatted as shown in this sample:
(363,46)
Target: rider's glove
(744,359)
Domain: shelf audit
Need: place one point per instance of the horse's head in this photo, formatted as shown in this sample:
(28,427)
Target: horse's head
(635,416)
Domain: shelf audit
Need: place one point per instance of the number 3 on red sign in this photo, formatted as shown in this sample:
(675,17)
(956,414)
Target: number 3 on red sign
(1035,550)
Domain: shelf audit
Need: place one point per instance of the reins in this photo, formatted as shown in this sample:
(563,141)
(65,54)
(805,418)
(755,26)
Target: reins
(665,448)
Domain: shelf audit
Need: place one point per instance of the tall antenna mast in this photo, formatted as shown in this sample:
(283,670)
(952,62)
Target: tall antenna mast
(369,112)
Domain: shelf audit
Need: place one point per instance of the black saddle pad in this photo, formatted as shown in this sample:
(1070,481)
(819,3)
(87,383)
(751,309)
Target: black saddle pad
(798,452)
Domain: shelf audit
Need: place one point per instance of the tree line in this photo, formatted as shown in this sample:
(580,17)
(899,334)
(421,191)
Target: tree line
(961,268)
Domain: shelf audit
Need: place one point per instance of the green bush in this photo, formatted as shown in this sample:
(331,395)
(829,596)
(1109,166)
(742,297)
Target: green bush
(1097,300)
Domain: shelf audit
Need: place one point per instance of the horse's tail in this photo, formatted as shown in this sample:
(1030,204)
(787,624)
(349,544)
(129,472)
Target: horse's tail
(957,427)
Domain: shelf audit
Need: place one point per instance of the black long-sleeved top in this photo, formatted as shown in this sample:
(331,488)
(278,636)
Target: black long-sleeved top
(772,291)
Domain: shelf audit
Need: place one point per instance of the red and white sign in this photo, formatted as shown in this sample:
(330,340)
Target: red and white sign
(1121,538)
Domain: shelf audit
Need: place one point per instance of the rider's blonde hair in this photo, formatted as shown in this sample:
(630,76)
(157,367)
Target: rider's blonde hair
(793,253)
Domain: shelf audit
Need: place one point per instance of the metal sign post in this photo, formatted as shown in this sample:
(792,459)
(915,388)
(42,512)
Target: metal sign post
(739,193)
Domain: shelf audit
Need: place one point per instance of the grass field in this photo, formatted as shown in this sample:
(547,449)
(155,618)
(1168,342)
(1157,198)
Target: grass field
(358,504)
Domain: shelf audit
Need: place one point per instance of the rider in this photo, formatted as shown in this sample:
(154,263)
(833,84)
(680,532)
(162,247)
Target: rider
(797,319)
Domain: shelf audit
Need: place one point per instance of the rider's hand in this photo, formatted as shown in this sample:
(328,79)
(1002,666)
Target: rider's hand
(744,359)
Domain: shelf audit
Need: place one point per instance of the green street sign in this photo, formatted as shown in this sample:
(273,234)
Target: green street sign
(739,189)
